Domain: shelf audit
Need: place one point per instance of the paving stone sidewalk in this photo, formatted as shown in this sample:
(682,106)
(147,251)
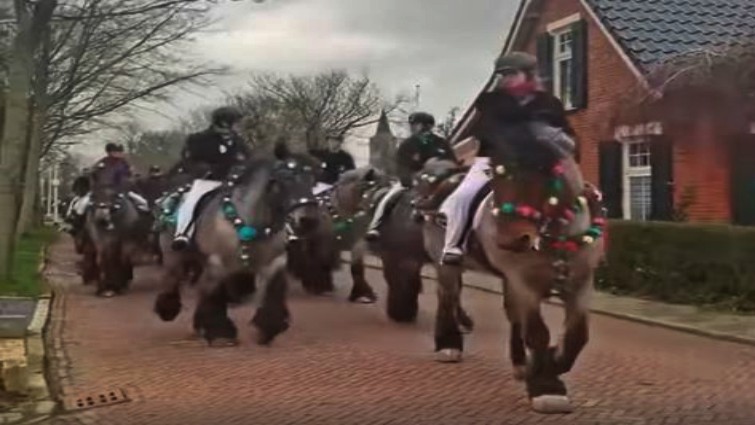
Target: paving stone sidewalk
(342,363)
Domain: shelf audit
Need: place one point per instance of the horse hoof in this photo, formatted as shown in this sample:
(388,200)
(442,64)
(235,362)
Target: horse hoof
(223,342)
(448,355)
(551,403)
(520,372)
(364,299)
(107,294)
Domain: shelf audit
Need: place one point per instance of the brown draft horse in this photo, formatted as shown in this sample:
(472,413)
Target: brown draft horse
(351,202)
(115,235)
(541,234)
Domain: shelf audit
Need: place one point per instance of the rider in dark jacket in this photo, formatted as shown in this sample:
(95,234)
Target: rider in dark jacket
(218,148)
(411,156)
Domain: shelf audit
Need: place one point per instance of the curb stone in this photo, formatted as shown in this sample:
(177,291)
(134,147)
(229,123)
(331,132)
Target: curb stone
(375,263)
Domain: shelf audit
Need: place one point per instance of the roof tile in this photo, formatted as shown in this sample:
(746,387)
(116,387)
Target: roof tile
(653,31)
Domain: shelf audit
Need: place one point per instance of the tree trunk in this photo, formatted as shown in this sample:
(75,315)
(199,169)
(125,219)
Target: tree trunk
(13,148)
(14,139)
(37,118)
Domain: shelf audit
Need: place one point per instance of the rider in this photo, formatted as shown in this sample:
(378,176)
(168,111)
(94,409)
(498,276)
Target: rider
(411,157)
(115,157)
(517,107)
(219,147)
(336,161)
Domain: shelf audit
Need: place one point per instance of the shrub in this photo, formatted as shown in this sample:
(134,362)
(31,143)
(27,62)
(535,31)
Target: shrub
(700,264)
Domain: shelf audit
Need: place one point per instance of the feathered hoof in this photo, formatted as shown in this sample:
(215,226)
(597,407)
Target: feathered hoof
(448,355)
(364,299)
(223,342)
(519,372)
(551,404)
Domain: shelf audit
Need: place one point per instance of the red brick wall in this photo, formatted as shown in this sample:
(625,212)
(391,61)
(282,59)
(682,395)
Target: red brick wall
(702,165)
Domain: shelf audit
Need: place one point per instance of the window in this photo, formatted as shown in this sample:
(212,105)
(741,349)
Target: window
(563,62)
(637,179)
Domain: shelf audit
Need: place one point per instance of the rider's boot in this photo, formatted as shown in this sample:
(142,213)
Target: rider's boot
(180,243)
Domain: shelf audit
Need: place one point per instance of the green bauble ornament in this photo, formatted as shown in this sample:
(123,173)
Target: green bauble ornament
(247,233)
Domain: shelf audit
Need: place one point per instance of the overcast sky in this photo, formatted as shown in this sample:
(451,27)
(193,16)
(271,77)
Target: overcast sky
(445,46)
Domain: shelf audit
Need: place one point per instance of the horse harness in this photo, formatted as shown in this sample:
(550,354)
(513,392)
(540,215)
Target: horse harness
(369,199)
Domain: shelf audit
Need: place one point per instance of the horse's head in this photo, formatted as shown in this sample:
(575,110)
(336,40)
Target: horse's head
(438,178)
(536,185)
(108,187)
(292,180)
(355,189)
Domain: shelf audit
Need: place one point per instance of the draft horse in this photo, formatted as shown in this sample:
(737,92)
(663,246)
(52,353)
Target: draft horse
(240,240)
(540,231)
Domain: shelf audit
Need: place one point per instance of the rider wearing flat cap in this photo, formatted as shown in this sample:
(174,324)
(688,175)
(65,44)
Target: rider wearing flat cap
(411,156)
(516,108)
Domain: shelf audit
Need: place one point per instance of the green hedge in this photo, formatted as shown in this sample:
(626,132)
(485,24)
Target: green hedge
(700,264)
(26,279)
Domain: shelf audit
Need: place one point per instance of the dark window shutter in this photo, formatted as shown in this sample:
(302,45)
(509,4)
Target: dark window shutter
(662,186)
(579,64)
(611,175)
(545,60)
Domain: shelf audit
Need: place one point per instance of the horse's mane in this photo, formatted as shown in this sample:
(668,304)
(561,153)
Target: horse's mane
(522,147)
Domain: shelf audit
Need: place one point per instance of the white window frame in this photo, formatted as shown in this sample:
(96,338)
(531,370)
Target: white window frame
(629,172)
(558,58)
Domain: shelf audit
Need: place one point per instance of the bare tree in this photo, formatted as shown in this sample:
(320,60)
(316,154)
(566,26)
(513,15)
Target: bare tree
(446,127)
(309,108)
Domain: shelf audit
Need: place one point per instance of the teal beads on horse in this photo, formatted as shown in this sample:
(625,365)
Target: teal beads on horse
(340,226)
(229,210)
(247,233)
(508,208)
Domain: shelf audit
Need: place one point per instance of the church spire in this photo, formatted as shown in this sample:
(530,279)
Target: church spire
(384,127)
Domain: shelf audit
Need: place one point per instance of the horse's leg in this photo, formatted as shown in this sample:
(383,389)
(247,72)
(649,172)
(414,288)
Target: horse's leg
(272,317)
(211,315)
(516,343)
(404,284)
(449,342)
(576,329)
(89,269)
(168,301)
(465,320)
(546,391)
(361,291)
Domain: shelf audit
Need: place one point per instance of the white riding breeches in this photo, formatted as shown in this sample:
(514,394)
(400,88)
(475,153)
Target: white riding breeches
(377,218)
(80,204)
(185,214)
(456,206)
(320,187)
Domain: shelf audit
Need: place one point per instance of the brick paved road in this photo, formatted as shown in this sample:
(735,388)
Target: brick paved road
(346,364)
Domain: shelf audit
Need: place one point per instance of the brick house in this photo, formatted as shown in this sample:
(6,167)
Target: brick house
(593,53)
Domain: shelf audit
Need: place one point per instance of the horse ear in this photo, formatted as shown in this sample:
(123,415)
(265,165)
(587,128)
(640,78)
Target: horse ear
(281,151)
(370,175)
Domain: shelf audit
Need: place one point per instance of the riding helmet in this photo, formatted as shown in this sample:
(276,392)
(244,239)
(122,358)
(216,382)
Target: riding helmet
(113,147)
(422,118)
(226,116)
(516,61)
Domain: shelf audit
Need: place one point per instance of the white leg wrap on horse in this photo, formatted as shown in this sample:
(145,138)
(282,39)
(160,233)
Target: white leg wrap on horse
(380,210)
(82,204)
(186,210)
(320,187)
(456,206)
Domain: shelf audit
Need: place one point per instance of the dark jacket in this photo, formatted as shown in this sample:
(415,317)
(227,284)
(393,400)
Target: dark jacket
(416,150)
(336,163)
(501,115)
(219,151)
